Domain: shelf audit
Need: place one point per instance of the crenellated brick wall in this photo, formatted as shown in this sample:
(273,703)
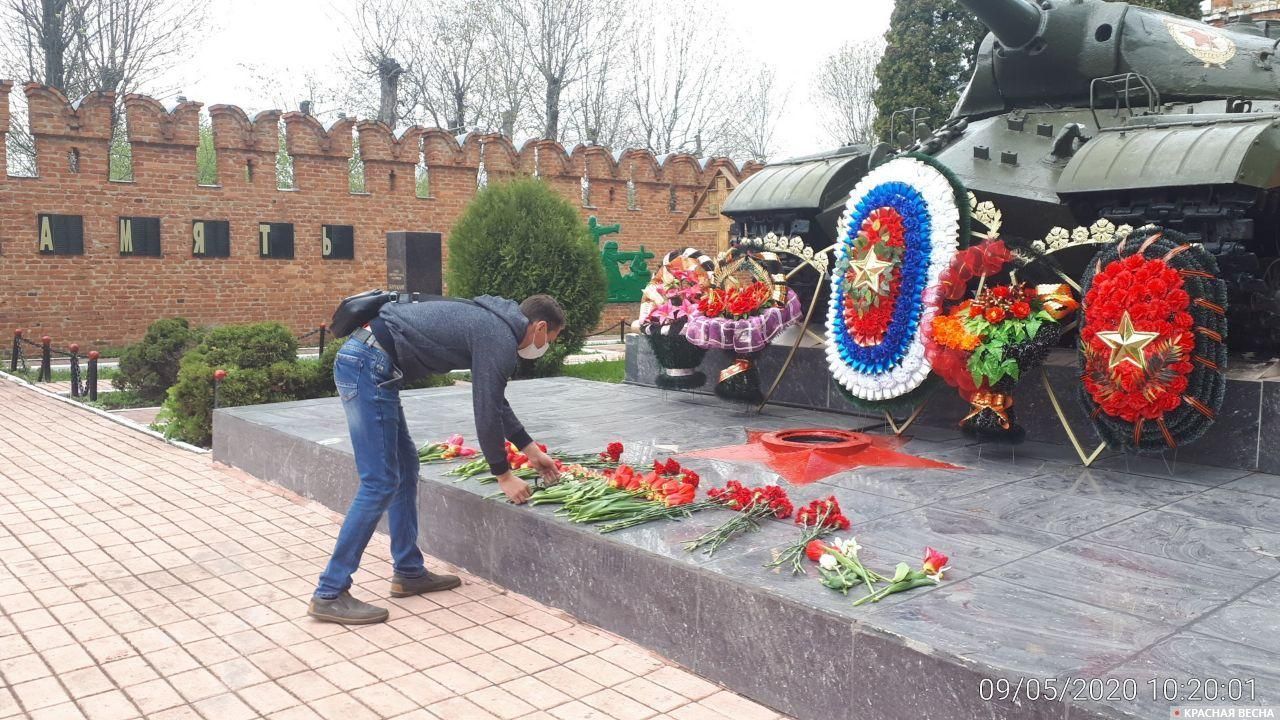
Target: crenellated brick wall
(105,298)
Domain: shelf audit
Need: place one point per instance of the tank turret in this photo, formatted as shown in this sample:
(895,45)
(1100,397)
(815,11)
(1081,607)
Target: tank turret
(1053,53)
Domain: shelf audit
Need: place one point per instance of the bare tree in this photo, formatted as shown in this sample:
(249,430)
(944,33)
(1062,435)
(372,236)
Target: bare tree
(40,35)
(80,46)
(754,117)
(678,79)
(382,29)
(447,69)
(599,111)
(127,44)
(845,86)
(287,88)
(508,75)
(561,37)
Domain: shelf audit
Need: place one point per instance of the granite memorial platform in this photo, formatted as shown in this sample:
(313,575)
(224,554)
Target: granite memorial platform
(1114,592)
(1243,437)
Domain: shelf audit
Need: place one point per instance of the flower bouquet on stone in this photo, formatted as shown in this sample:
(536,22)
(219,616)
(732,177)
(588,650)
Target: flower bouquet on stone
(666,307)
(750,505)
(520,467)
(840,568)
(743,317)
(983,345)
(817,520)
(451,449)
(904,578)
(625,497)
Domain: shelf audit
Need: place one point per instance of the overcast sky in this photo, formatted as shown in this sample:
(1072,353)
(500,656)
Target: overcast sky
(304,35)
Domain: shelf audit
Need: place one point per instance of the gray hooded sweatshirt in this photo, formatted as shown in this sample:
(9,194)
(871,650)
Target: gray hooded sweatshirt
(431,338)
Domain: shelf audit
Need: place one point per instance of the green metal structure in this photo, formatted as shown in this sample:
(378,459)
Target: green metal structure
(626,274)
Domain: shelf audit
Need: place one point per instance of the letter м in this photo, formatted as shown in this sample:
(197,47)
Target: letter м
(126,235)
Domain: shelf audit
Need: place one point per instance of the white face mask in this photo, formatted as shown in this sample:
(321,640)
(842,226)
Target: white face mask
(534,351)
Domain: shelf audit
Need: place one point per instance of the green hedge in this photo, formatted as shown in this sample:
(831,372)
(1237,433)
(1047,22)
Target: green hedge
(519,239)
(150,367)
(262,366)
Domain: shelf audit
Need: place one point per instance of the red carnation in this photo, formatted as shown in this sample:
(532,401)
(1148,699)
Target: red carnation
(1001,292)
(995,315)
(1021,310)
(614,451)
(672,467)
(976,310)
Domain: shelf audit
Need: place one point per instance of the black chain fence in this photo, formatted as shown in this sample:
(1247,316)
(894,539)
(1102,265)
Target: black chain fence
(46,352)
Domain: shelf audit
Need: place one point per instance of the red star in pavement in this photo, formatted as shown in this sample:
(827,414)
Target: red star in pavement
(806,456)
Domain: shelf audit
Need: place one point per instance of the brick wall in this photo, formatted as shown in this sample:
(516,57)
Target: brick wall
(1223,12)
(103,298)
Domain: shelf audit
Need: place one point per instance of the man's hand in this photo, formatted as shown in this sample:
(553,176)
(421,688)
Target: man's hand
(543,463)
(516,490)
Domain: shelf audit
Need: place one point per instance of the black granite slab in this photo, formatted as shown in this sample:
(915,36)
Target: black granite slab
(1250,619)
(1054,575)
(1269,447)
(1167,591)
(1242,437)
(1182,537)
(1233,673)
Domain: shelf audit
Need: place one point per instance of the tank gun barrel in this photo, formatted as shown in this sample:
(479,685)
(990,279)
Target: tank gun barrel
(1015,23)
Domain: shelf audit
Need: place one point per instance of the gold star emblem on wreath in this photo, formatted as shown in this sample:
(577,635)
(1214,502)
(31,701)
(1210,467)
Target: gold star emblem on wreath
(1127,344)
(868,269)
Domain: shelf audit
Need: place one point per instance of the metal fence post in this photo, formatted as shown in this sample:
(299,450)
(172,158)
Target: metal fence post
(218,376)
(93,376)
(75,370)
(17,351)
(46,359)
(323,327)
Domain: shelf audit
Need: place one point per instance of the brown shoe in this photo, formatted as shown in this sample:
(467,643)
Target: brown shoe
(405,587)
(346,610)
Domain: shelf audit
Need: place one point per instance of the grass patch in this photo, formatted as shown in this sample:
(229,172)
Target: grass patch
(117,400)
(610,371)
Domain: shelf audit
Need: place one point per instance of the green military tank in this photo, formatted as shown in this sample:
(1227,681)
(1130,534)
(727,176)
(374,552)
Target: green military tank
(1082,110)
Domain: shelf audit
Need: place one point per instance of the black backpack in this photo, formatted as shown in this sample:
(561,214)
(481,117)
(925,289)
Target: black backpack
(357,310)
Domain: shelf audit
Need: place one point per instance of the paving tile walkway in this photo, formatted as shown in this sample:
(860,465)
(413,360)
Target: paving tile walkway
(141,580)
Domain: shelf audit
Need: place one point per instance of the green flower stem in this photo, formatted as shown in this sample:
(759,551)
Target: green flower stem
(910,583)
(794,553)
(661,512)
(855,566)
(741,522)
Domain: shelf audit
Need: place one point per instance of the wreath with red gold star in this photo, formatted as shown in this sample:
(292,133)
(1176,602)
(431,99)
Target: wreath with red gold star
(1152,341)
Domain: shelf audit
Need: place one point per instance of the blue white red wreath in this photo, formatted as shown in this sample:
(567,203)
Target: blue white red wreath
(926,199)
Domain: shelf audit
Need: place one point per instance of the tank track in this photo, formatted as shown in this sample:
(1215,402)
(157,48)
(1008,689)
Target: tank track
(1226,221)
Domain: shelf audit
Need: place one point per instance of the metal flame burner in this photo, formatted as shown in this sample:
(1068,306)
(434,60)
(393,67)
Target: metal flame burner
(841,442)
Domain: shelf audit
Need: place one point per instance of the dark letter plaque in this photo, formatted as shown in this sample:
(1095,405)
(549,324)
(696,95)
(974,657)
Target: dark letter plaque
(413,262)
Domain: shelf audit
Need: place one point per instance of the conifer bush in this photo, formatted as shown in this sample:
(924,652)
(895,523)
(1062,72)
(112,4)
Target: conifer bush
(519,239)
(149,367)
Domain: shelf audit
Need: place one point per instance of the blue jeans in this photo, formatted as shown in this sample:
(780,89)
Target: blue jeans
(387,462)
